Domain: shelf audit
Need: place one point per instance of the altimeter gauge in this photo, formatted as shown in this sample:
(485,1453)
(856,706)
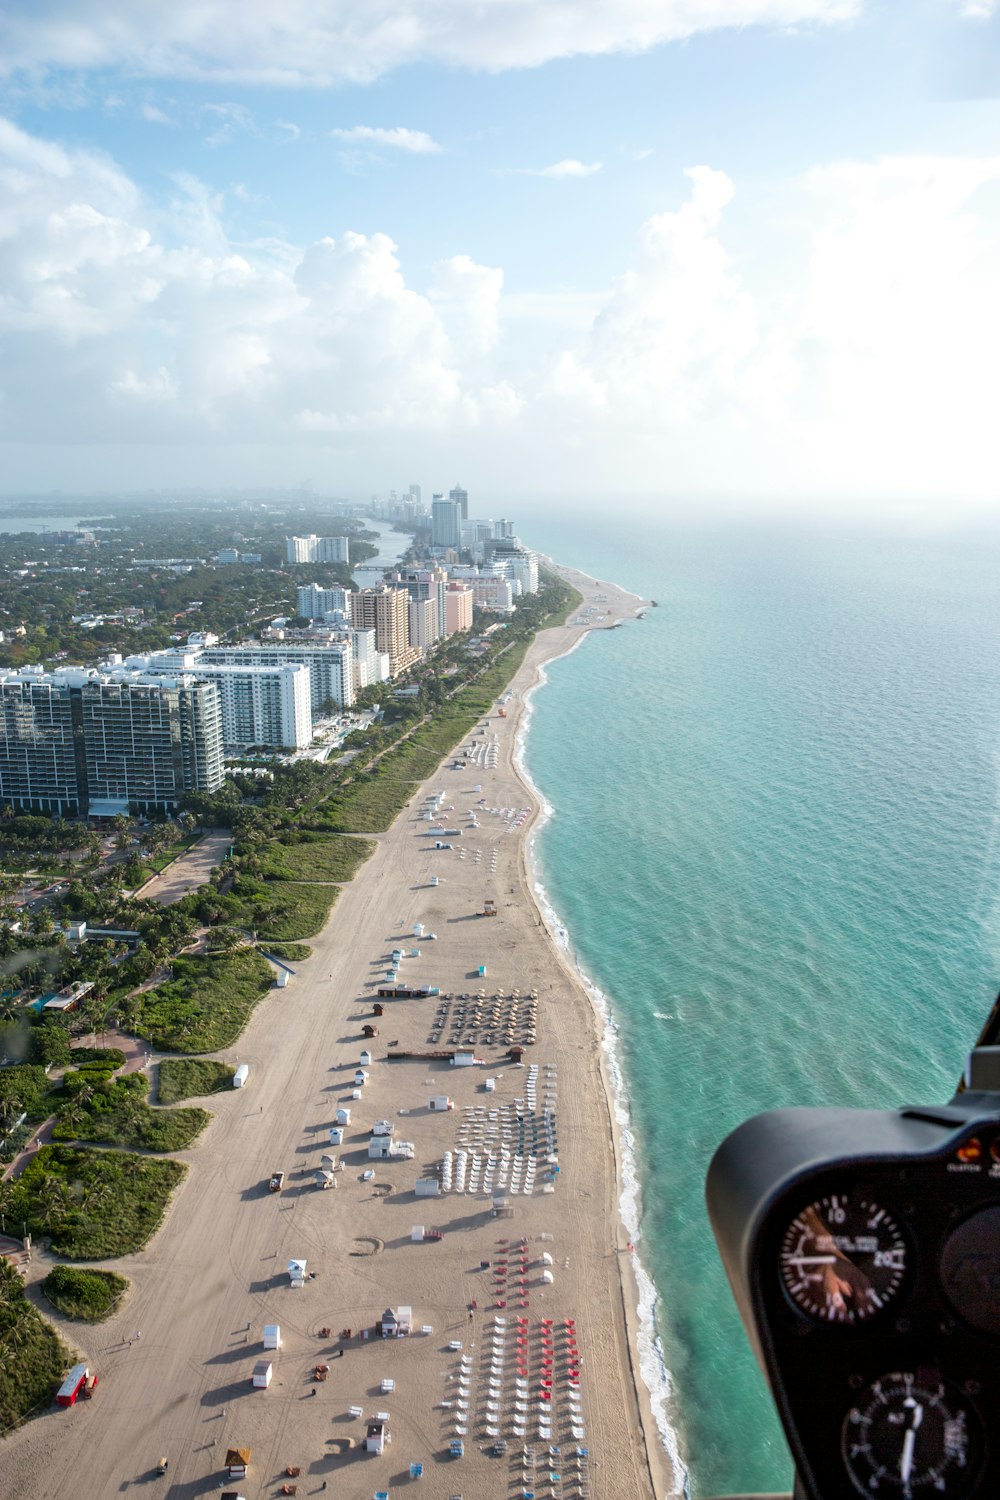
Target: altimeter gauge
(911,1436)
(842,1259)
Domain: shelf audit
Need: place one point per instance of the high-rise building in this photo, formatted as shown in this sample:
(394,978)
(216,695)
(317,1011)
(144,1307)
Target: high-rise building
(461,499)
(423,623)
(134,741)
(313,602)
(331,676)
(427,583)
(312,548)
(385,610)
(414,492)
(370,665)
(492,594)
(446,522)
(38,768)
(457,608)
(263,705)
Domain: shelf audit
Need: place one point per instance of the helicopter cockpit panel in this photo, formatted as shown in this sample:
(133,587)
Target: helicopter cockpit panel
(863,1249)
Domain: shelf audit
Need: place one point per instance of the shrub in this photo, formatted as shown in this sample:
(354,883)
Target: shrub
(117,1114)
(190,1077)
(94,1205)
(205,1004)
(89,1295)
(35,1358)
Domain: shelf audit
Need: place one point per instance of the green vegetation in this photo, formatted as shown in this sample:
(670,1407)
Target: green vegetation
(33,1360)
(114,1112)
(290,952)
(112,1057)
(24,1089)
(91,1296)
(315,859)
(282,910)
(190,1078)
(141,609)
(204,1005)
(92,1204)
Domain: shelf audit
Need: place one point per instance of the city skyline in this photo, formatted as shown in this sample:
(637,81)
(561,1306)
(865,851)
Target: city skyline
(668,250)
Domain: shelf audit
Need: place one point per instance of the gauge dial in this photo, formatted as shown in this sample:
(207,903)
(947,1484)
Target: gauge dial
(842,1259)
(911,1435)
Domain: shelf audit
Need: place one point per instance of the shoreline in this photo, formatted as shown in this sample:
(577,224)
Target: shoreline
(214,1273)
(652,1386)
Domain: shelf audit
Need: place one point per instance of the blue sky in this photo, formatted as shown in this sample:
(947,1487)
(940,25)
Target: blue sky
(738,248)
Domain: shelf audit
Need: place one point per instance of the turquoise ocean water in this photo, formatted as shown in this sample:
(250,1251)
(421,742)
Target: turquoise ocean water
(775,848)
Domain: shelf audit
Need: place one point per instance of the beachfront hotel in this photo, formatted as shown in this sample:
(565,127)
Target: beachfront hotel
(83,741)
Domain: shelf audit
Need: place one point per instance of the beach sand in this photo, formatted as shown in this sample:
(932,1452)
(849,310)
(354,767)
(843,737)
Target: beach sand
(565,1378)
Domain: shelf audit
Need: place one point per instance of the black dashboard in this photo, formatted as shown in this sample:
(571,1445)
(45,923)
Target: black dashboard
(863,1249)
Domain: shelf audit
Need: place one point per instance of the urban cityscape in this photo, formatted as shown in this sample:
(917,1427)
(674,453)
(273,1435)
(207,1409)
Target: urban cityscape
(136,732)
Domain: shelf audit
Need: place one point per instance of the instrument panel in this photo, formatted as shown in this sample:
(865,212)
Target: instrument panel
(869,1281)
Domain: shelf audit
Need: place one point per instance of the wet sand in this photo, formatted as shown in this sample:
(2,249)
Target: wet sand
(536,1294)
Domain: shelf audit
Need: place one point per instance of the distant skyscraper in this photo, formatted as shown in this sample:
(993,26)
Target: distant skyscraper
(414,492)
(446,522)
(312,548)
(428,583)
(461,498)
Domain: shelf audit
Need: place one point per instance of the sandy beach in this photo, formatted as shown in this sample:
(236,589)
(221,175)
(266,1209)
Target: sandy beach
(521,1290)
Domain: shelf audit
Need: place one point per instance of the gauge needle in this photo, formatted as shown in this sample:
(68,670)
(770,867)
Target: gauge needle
(909,1441)
(812,1260)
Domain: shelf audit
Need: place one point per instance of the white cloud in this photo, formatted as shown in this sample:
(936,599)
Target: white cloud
(401,139)
(467,298)
(568,168)
(976,10)
(155,115)
(124,320)
(317,42)
(866,362)
(229,120)
(675,338)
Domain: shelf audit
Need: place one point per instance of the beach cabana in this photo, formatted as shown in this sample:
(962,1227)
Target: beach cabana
(297,1272)
(238,1462)
(272,1336)
(262,1372)
(376,1437)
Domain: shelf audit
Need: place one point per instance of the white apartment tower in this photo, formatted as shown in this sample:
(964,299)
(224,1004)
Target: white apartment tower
(423,622)
(314,602)
(263,705)
(313,549)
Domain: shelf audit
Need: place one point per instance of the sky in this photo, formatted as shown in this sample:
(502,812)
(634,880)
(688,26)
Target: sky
(741,249)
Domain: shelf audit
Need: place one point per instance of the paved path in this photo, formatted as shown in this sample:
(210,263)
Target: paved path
(189,870)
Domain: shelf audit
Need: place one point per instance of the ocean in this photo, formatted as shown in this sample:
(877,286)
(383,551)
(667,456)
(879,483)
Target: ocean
(773,848)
